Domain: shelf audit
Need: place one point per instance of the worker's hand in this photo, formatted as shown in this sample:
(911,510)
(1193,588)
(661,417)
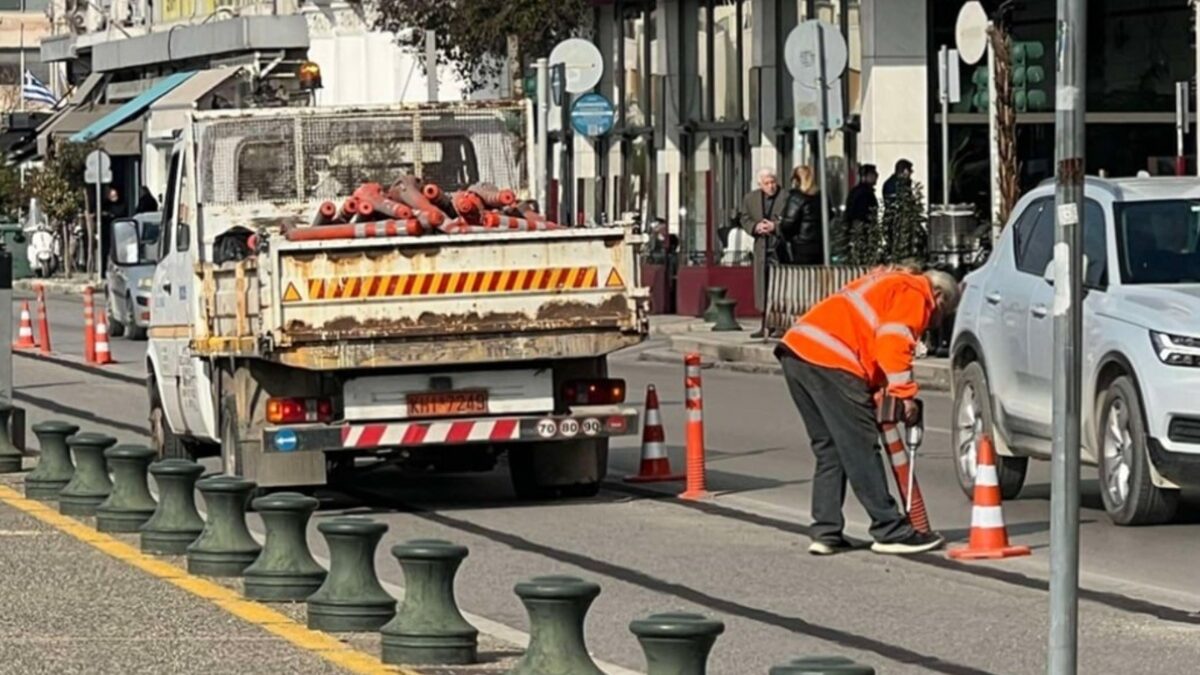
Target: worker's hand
(764,227)
(912,411)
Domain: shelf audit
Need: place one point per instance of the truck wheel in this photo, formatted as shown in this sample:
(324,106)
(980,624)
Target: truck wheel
(233,442)
(1129,496)
(972,421)
(569,469)
(166,443)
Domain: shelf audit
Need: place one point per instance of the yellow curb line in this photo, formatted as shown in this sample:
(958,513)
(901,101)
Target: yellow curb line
(317,642)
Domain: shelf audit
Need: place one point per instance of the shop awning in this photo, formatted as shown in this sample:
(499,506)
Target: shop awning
(131,108)
(169,113)
(123,139)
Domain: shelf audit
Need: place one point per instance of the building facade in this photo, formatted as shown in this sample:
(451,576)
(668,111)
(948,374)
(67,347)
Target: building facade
(704,101)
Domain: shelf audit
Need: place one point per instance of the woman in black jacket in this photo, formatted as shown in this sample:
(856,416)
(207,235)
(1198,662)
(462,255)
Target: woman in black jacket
(800,225)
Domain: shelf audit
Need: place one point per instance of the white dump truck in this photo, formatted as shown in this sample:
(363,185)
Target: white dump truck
(298,360)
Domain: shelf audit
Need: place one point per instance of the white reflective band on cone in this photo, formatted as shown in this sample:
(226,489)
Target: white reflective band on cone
(654,450)
(653,419)
(891,435)
(989,517)
(693,393)
(985,474)
(695,415)
(899,458)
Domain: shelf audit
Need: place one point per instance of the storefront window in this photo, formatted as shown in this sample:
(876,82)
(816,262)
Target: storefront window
(698,200)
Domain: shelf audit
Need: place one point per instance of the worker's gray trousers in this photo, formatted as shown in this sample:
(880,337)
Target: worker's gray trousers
(839,414)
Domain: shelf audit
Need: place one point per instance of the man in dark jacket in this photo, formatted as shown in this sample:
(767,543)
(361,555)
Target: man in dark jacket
(759,217)
(904,170)
(861,200)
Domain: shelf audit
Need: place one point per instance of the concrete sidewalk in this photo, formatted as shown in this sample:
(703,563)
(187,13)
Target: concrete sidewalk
(737,351)
(60,285)
(73,600)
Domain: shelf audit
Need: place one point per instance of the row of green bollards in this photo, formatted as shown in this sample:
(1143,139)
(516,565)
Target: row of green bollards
(721,311)
(426,629)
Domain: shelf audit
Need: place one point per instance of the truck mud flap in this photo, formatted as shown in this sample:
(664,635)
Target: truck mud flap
(386,435)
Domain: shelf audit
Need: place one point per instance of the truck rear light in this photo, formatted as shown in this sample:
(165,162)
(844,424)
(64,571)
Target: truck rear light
(294,410)
(594,392)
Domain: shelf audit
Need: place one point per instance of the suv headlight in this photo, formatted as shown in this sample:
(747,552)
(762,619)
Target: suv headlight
(1176,350)
(145,283)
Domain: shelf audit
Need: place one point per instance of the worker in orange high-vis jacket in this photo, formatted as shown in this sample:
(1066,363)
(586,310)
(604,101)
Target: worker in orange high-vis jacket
(847,348)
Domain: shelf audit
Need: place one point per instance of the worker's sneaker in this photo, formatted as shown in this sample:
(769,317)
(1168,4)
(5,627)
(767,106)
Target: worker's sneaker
(829,546)
(917,542)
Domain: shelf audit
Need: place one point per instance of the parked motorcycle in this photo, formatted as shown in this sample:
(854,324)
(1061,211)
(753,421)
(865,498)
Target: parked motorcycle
(44,251)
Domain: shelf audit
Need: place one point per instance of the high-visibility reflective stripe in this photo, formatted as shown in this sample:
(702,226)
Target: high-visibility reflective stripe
(891,434)
(989,517)
(695,415)
(985,474)
(693,393)
(900,378)
(864,308)
(828,341)
(895,329)
(899,459)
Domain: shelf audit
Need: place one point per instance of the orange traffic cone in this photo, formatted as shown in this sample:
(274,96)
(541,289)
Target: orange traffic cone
(25,332)
(656,465)
(989,537)
(103,355)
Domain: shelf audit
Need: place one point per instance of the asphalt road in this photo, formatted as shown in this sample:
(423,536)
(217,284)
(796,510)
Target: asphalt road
(740,556)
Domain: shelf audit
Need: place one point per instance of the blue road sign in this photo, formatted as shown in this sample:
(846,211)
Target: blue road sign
(592,115)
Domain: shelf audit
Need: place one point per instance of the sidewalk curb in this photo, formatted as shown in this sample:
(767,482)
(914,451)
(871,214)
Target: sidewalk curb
(760,360)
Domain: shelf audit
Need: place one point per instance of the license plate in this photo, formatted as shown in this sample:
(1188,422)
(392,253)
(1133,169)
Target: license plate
(447,403)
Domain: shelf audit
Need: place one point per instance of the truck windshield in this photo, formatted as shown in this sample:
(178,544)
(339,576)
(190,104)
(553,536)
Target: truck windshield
(1159,241)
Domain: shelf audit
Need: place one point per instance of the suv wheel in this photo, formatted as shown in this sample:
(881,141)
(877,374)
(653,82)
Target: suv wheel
(972,421)
(1130,498)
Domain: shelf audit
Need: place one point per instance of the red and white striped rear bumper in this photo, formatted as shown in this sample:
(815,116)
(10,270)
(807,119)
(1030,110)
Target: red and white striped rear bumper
(387,435)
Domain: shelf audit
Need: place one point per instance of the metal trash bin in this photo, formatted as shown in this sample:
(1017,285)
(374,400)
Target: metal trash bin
(13,237)
(953,236)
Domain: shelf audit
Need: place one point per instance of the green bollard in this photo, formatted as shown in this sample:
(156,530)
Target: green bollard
(54,467)
(175,523)
(225,547)
(557,606)
(677,643)
(90,485)
(351,599)
(822,665)
(285,570)
(10,456)
(130,504)
(726,321)
(428,628)
(715,293)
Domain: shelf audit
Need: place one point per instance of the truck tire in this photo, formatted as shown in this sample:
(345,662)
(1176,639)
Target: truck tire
(1129,496)
(165,442)
(234,443)
(567,469)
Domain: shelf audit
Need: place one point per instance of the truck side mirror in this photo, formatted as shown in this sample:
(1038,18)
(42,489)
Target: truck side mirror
(125,242)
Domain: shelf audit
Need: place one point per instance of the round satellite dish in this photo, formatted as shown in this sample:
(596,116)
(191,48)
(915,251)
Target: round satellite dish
(971,33)
(800,52)
(583,61)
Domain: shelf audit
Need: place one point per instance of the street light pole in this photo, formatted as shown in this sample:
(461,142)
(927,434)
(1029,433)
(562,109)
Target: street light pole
(1068,335)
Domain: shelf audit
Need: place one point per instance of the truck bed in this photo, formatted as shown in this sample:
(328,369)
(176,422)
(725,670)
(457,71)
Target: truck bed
(468,298)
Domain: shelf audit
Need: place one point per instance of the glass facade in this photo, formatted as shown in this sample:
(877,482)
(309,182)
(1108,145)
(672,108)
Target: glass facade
(1137,51)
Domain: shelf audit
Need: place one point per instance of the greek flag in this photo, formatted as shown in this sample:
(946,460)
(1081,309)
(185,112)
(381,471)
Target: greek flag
(34,91)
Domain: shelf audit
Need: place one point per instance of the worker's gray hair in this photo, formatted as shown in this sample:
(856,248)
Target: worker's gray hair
(767,173)
(945,286)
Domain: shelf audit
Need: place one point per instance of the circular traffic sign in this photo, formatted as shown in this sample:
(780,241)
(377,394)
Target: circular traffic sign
(592,115)
(970,33)
(801,49)
(585,64)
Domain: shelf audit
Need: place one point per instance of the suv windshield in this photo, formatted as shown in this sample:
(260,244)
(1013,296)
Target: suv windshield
(1158,241)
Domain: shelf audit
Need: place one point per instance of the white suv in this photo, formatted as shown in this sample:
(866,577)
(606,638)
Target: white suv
(1141,345)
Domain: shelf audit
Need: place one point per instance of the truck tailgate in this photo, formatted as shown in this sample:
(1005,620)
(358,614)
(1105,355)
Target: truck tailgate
(454,285)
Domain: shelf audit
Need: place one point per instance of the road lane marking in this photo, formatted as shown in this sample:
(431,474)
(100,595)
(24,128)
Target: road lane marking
(319,643)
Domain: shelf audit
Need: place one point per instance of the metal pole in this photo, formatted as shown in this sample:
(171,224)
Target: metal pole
(431,65)
(94,258)
(944,95)
(1068,335)
(822,107)
(1181,117)
(993,139)
(566,183)
(21,98)
(543,139)
(6,336)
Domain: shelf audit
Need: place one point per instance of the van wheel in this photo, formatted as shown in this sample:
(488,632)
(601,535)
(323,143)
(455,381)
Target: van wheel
(1130,497)
(134,331)
(973,421)
(165,442)
(568,469)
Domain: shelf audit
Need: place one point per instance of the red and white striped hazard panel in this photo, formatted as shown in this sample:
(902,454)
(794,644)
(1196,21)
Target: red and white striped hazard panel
(422,433)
